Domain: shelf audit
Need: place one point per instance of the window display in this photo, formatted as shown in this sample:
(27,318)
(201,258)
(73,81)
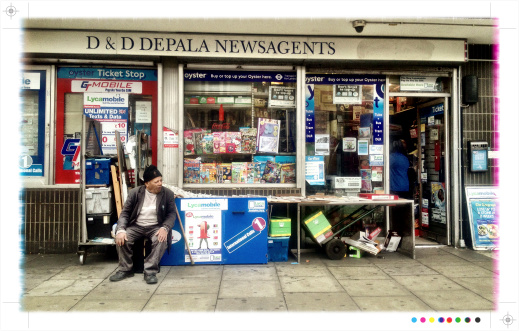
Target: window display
(239,127)
(344,133)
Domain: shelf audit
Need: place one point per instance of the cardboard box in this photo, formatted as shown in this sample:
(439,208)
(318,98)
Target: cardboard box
(318,226)
(392,241)
(280,227)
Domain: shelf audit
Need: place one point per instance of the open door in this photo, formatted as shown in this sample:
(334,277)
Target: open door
(422,123)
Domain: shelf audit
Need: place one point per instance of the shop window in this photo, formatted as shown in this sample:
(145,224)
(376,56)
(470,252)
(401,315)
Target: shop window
(239,127)
(344,134)
(126,103)
(32,126)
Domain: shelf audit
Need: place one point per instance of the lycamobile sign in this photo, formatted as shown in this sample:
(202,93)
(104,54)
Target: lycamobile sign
(203,204)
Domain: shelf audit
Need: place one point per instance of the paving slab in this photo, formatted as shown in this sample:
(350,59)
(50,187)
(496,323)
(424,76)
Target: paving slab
(462,271)
(443,259)
(189,285)
(110,305)
(362,272)
(86,272)
(50,303)
(182,302)
(320,301)
(485,287)
(373,287)
(252,272)
(348,262)
(405,303)
(65,287)
(251,304)
(310,284)
(196,271)
(454,300)
(249,289)
(399,269)
(295,270)
(430,282)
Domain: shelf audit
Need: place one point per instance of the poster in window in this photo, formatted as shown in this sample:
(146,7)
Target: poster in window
(349,144)
(314,170)
(322,144)
(347,94)
(363,148)
(142,111)
(268,135)
(282,96)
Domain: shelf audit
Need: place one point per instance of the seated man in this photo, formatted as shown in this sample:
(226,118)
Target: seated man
(149,211)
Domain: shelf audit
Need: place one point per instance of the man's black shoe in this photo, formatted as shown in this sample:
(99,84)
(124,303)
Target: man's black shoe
(150,279)
(120,275)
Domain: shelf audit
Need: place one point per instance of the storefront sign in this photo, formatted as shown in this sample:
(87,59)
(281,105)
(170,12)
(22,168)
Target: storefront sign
(114,74)
(281,96)
(243,46)
(106,106)
(345,94)
(314,170)
(412,83)
(106,86)
(378,115)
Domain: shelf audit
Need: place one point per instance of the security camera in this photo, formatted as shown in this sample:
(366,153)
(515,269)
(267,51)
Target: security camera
(359,25)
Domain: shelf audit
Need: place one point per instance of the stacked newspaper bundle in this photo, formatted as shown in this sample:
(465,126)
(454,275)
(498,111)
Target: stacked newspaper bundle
(363,242)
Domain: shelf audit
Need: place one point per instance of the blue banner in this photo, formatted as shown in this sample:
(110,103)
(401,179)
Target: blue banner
(328,79)
(239,76)
(310,115)
(108,73)
(432,110)
(378,115)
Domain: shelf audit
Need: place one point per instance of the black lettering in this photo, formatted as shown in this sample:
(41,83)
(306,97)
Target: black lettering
(271,47)
(248,46)
(224,48)
(150,43)
(331,46)
(158,42)
(234,44)
(96,40)
(295,47)
(308,48)
(124,43)
(284,50)
(180,45)
(204,45)
(260,45)
(171,43)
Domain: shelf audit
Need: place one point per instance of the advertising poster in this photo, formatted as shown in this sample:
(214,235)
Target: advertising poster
(483,207)
(268,135)
(204,235)
(349,144)
(365,175)
(484,222)
(345,94)
(281,96)
(438,200)
(170,138)
(363,147)
(413,83)
(314,170)
(322,144)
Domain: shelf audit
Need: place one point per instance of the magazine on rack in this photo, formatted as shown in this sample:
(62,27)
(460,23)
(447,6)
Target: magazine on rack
(268,135)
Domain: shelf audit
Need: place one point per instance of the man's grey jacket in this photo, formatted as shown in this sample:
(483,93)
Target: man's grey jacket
(166,214)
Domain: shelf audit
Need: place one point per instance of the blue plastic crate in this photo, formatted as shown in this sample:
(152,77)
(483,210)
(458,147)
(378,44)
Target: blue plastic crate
(278,249)
(97,171)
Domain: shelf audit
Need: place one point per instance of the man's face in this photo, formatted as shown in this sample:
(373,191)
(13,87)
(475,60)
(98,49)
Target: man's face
(154,185)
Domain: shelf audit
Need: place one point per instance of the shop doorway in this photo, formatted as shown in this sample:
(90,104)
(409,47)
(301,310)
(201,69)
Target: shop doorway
(421,124)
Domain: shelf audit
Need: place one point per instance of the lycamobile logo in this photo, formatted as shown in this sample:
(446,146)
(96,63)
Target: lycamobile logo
(203,205)
(104,99)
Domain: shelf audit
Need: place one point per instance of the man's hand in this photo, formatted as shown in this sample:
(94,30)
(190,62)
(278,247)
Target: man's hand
(120,238)
(162,234)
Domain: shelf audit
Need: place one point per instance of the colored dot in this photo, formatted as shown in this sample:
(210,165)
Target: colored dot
(414,320)
(467,320)
(478,319)
(422,319)
(441,319)
(431,319)
(458,319)
(449,320)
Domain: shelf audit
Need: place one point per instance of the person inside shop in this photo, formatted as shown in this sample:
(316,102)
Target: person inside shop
(149,212)
(398,167)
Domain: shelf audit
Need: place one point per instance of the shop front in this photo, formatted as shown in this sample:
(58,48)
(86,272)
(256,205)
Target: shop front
(267,116)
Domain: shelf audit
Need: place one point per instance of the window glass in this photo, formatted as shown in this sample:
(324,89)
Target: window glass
(239,127)
(344,134)
(419,84)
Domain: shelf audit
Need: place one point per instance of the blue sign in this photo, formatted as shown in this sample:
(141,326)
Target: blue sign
(479,161)
(314,170)
(484,222)
(432,110)
(378,115)
(108,73)
(330,79)
(310,114)
(239,76)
